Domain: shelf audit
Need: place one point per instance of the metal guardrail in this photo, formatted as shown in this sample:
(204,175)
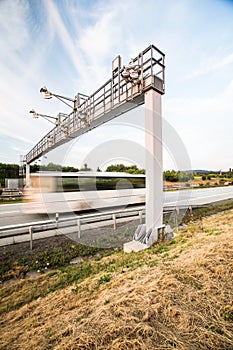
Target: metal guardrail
(112,217)
(109,217)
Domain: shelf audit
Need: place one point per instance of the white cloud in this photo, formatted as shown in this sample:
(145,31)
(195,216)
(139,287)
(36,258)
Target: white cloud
(59,27)
(99,40)
(14,34)
(24,51)
(198,106)
(16,135)
(212,64)
(70,45)
(204,124)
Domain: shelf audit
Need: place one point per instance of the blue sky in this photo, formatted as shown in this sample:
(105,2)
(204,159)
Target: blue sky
(69,45)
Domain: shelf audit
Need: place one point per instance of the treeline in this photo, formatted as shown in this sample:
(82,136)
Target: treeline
(11,171)
(8,171)
(57,167)
(133,169)
(52,167)
(175,176)
(169,175)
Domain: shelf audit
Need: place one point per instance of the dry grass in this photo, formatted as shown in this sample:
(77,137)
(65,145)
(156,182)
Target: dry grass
(178,295)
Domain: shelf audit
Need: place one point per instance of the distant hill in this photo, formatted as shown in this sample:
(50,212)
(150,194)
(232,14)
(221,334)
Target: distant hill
(203,171)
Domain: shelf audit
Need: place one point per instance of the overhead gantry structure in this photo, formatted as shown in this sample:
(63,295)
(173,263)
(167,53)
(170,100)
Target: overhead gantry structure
(124,91)
(141,81)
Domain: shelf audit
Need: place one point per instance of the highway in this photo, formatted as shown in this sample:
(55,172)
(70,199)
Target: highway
(197,196)
(11,214)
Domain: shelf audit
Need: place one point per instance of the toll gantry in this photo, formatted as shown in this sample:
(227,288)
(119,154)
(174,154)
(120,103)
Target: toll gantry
(121,93)
(141,81)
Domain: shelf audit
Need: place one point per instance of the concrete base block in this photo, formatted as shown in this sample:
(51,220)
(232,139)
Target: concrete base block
(134,246)
(168,232)
(149,237)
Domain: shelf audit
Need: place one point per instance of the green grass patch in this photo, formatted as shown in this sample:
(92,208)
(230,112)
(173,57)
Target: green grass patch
(15,295)
(161,249)
(13,264)
(104,279)
(212,232)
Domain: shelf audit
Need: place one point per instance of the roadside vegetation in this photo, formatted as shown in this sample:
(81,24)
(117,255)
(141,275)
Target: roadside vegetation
(17,260)
(177,294)
(10,171)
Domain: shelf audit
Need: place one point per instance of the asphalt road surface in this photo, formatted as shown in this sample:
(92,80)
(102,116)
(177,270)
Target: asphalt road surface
(11,214)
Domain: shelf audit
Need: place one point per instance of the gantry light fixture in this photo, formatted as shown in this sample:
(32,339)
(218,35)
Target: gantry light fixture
(56,120)
(48,94)
(131,72)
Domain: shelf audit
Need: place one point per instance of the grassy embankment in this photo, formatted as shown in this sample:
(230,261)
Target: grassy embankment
(177,294)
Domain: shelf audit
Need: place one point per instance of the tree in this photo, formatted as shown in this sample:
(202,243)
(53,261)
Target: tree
(49,167)
(69,169)
(132,169)
(34,168)
(10,171)
(52,167)
(184,176)
(171,175)
(85,168)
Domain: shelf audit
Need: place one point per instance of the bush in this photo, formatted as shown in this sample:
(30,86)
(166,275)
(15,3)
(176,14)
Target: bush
(171,176)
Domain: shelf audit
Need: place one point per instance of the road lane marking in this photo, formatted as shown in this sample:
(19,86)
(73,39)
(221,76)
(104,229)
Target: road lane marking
(189,201)
(9,212)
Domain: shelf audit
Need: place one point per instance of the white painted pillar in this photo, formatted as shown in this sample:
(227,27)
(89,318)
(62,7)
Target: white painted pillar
(154,163)
(27,182)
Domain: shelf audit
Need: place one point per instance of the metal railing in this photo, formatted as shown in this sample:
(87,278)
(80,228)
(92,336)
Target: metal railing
(118,95)
(77,222)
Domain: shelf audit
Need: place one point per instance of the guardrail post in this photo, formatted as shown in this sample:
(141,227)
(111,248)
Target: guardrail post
(31,236)
(57,219)
(79,228)
(114,221)
(176,217)
(140,216)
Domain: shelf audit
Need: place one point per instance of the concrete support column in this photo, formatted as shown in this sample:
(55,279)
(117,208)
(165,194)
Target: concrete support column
(27,182)
(154,163)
